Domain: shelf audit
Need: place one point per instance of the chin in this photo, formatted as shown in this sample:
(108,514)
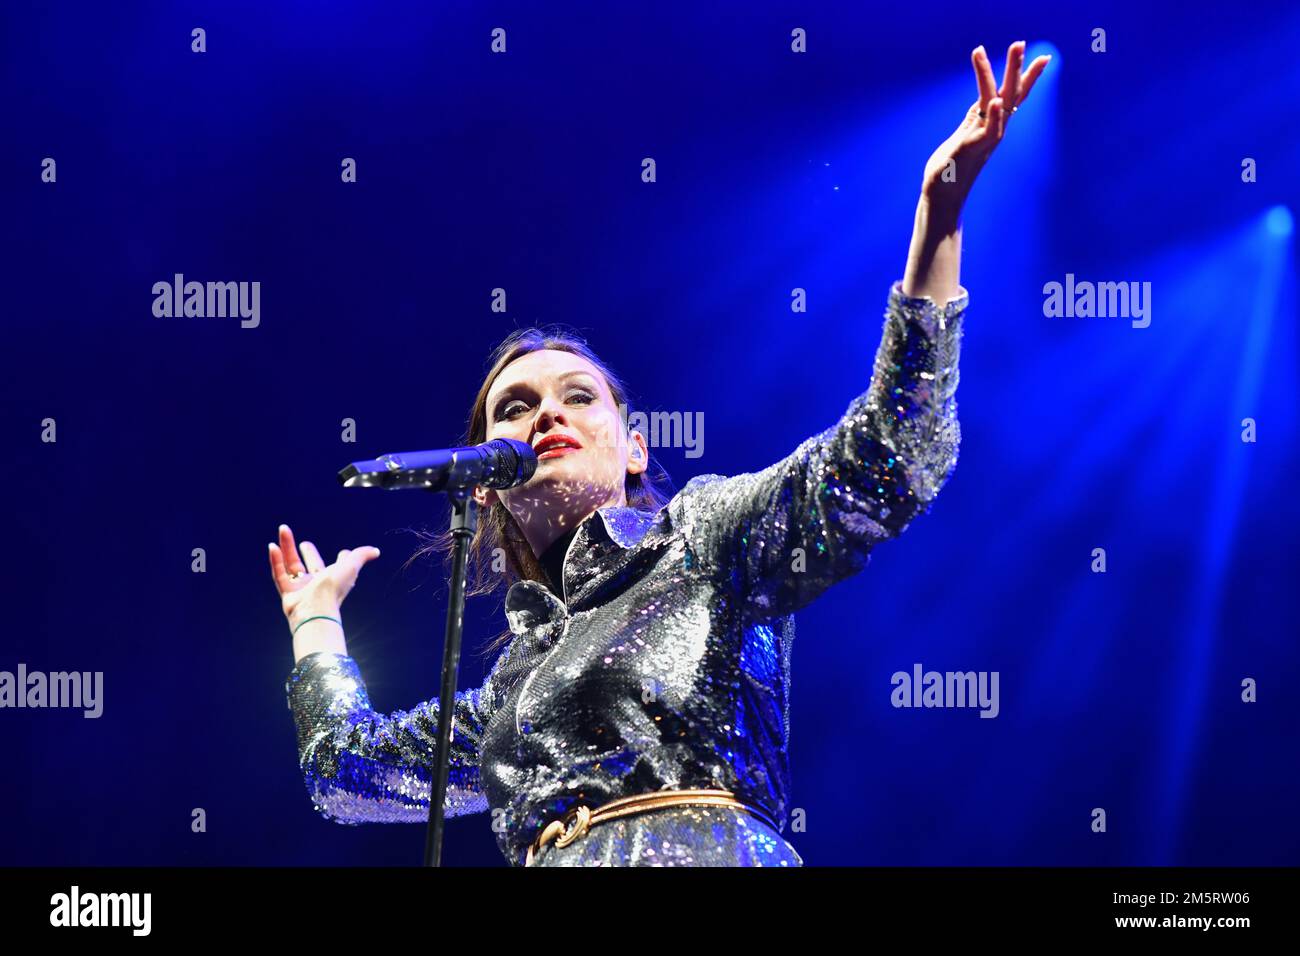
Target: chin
(570,479)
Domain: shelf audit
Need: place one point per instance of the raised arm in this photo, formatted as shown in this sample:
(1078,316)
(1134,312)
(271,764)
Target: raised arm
(364,767)
(361,766)
(780,537)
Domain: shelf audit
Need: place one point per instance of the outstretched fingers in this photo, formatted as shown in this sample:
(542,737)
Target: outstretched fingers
(292,562)
(1031,76)
(360,556)
(995,126)
(278,572)
(1016,83)
(983,77)
(1010,91)
(312,557)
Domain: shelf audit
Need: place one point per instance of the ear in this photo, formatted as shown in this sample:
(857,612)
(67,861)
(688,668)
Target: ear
(484,497)
(638,453)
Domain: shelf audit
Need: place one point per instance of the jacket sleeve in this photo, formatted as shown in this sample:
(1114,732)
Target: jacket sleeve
(365,767)
(778,538)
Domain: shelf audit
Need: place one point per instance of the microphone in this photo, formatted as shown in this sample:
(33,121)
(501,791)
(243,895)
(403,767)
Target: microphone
(499,463)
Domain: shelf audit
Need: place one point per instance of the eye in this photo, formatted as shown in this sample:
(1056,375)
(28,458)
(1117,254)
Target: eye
(509,408)
(512,408)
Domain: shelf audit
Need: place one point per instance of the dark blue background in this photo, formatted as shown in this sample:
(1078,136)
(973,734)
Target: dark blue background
(775,171)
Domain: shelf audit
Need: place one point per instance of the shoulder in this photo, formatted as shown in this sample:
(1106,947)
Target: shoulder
(699,481)
(694,487)
(681,506)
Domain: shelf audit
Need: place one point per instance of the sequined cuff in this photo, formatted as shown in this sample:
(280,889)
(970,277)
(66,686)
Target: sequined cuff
(925,311)
(322,688)
(913,398)
(326,678)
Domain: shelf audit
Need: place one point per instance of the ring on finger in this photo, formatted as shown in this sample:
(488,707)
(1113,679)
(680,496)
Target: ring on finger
(984,115)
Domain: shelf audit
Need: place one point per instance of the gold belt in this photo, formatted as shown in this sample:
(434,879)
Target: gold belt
(579,820)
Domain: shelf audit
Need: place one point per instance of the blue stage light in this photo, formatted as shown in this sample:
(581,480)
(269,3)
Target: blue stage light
(1279,221)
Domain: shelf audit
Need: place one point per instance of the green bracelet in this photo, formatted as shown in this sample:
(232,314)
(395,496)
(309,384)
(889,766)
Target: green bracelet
(318,617)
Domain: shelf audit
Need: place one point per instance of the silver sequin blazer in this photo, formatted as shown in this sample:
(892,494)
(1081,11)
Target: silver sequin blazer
(665,662)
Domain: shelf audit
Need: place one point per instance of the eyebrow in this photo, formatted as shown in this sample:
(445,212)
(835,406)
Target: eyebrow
(510,390)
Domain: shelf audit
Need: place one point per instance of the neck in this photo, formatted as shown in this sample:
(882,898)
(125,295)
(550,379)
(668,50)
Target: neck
(544,520)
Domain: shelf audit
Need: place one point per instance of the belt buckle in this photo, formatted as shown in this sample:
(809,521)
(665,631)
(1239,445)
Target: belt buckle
(563,835)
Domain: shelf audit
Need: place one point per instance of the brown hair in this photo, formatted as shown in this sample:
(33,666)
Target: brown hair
(497,528)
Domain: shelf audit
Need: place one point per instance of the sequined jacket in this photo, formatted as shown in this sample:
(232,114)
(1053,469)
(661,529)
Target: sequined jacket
(665,662)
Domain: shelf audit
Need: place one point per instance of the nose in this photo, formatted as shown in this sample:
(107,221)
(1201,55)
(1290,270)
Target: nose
(549,414)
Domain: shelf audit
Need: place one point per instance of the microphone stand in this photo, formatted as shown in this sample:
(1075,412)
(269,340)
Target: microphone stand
(499,463)
(464,521)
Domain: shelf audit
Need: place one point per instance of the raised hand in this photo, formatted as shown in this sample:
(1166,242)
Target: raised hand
(964,153)
(307,585)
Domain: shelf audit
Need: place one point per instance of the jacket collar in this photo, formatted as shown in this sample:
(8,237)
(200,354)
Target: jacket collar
(532,610)
(623,525)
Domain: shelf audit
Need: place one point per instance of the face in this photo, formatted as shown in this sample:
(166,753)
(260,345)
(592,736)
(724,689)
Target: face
(560,404)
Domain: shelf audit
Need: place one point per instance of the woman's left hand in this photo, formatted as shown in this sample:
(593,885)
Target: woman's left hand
(967,150)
